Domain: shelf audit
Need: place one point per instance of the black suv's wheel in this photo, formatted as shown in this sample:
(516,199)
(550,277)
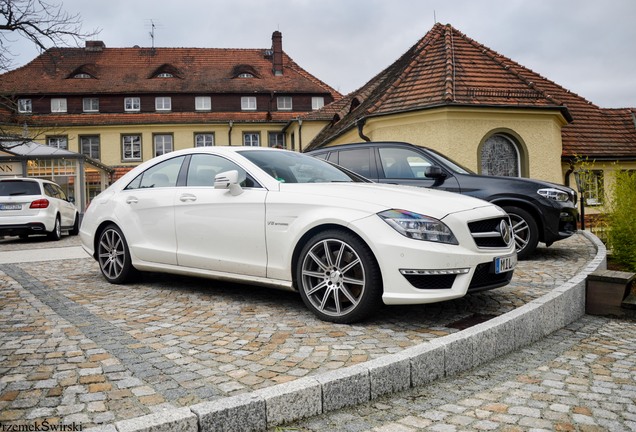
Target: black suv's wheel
(56,234)
(113,256)
(526,231)
(338,277)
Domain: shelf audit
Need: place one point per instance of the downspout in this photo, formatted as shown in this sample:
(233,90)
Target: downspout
(229,132)
(300,135)
(568,172)
(360,123)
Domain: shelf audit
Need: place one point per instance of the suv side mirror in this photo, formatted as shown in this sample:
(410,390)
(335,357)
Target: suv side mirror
(228,180)
(434,172)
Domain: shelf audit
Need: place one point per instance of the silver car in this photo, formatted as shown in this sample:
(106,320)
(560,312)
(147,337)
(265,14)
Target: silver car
(30,206)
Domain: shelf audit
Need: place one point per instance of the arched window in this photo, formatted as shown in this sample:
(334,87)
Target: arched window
(500,157)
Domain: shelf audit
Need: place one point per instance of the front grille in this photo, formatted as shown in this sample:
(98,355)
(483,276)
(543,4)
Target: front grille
(486,278)
(486,233)
(431,281)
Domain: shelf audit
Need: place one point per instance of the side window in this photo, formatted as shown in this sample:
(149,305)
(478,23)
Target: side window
(204,167)
(358,161)
(164,174)
(399,163)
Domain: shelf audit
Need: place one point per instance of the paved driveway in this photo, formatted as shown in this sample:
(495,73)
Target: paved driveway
(77,349)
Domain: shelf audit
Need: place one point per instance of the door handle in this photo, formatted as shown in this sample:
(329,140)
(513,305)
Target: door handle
(187,198)
(131,200)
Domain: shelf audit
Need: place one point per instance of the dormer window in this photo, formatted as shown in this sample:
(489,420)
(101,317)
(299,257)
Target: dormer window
(82,75)
(166,71)
(85,71)
(245,75)
(244,71)
(165,75)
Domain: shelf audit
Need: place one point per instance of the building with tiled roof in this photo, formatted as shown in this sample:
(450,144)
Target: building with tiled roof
(455,95)
(122,106)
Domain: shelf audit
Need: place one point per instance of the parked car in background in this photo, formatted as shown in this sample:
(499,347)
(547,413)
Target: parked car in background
(34,206)
(540,211)
(286,220)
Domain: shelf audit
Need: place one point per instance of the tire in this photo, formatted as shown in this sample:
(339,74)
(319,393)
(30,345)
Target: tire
(75,230)
(56,234)
(525,229)
(113,256)
(338,277)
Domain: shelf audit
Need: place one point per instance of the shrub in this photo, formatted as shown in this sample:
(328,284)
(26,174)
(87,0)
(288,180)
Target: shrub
(622,220)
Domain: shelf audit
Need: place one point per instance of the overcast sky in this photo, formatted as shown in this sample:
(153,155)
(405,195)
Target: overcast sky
(586,46)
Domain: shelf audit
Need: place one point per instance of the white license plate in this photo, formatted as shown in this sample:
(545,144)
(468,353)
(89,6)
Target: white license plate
(10,206)
(505,264)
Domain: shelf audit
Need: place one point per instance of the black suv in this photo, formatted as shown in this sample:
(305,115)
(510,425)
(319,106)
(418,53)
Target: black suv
(540,211)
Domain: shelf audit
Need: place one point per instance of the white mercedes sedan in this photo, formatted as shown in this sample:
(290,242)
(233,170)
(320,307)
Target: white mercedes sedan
(286,220)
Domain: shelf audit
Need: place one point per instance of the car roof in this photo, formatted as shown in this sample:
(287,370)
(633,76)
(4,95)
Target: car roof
(366,144)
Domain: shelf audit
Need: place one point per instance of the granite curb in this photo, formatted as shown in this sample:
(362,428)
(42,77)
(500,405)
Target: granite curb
(412,367)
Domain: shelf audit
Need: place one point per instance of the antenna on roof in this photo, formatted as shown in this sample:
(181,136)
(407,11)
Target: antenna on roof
(434,17)
(152,33)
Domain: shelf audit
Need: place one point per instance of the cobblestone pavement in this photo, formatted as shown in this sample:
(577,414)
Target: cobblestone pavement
(581,378)
(75,349)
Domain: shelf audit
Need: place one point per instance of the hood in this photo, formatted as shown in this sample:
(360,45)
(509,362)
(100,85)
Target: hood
(378,197)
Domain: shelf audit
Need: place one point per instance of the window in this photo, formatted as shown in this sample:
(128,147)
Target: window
(132,104)
(164,174)
(358,160)
(401,163)
(245,75)
(163,144)
(284,103)
(203,103)
(163,103)
(276,139)
(89,146)
(248,103)
(58,105)
(317,102)
(500,157)
(251,139)
(82,75)
(165,75)
(594,187)
(131,147)
(203,169)
(90,104)
(204,140)
(60,142)
(25,106)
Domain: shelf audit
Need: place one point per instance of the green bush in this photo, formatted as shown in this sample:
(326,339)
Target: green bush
(622,220)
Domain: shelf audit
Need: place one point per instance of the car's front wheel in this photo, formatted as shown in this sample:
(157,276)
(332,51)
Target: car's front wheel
(525,229)
(338,277)
(113,256)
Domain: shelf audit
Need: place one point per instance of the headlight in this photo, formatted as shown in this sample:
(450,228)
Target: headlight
(419,227)
(554,194)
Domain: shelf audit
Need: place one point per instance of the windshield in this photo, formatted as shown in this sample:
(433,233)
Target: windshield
(292,167)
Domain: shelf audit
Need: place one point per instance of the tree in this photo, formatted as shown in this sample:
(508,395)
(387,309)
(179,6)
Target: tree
(42,22)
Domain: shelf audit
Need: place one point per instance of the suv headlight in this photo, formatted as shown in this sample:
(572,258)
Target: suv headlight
(419,227)
(554,194)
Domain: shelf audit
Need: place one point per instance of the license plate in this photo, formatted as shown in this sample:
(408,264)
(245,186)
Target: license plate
(10,206)
(505,264)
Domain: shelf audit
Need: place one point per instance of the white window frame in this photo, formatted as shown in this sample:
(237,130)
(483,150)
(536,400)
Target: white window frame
(284,103)
(163,143)
(58,105)
(132,104)
(60,142)
(90,104)
(204,139)
(134,142)
(248,103)
(203,103)
(317,102)
(252,139)
(25,106)
(163,103)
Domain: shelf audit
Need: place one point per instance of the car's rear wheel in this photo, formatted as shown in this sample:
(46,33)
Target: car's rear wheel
(75,230)
(525,229)
(338,277)
(113,256)
(56,234)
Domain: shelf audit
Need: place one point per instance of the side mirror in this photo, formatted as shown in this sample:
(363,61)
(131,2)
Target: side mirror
(434,172)
(228,180)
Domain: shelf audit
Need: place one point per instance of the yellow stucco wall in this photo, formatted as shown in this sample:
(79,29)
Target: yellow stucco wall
(458,133)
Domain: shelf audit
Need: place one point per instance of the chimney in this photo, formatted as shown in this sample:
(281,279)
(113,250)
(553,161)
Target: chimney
(95,46)
(277,47)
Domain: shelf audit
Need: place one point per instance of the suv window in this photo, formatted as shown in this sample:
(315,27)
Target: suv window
(401,163)
(19,187)
(357,160)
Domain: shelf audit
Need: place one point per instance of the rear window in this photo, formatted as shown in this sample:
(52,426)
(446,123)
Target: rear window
(19,187)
